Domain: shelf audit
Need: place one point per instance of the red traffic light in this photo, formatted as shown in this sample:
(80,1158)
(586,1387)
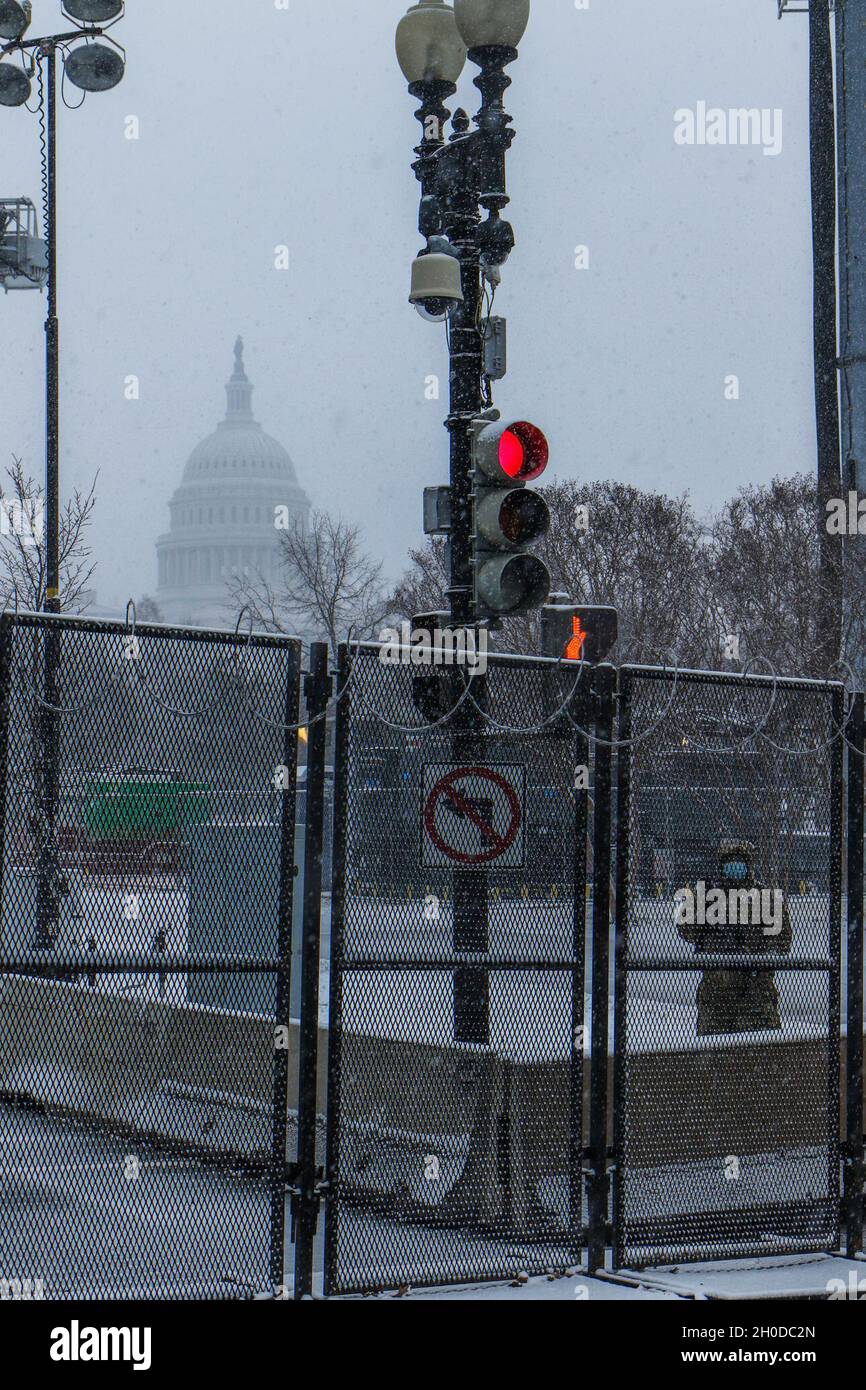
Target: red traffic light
(523,452)
(508,516)
(510,453)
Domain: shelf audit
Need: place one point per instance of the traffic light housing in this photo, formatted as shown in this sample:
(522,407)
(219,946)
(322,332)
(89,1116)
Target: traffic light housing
(508,517)
(433,692)
(572,632)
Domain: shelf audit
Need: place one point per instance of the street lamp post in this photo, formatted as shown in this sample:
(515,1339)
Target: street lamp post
(92,66)
(461,178)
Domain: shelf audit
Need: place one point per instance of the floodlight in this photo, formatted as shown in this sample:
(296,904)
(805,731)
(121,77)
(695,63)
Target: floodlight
(93,11)
(14,18)
(14,85)
(94,67)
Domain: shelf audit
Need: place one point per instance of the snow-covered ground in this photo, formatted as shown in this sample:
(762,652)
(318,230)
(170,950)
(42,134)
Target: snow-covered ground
(79,1215)
(93,1215)
(790,1276)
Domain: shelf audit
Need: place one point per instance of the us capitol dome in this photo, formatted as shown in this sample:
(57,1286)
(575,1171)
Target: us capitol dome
(224,512)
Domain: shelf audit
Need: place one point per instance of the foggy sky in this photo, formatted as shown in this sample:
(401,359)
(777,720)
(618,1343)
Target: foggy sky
(261,127)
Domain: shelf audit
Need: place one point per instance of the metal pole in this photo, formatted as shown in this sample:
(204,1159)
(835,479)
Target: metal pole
(317,691)
(603,683)
(578,985)
(52,358)
(333,1207)
(5,711)
(853,1169)
(466,401)
(48,905)
(823,171)
(471,933)
(282,1011)
(621,952)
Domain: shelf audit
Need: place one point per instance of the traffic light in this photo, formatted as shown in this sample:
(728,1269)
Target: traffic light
(509,517)
(573,633)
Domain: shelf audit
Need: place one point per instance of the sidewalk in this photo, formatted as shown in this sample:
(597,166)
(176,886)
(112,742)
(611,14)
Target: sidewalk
(783,1277)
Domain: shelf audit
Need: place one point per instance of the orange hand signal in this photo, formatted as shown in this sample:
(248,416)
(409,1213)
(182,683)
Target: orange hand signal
(574,650)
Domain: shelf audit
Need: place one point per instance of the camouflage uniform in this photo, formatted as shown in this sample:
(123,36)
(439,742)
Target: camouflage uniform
(738,1001)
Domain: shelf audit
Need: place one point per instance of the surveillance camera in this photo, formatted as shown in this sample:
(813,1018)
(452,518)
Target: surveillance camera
(435,310)
(495,240)
(436,281)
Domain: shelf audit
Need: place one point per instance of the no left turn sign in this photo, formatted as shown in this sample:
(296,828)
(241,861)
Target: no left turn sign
(473,817)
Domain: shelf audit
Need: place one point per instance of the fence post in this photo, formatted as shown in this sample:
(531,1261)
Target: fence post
(5,708)
(335,1001)
(854,1053)
(282,1011)
(307,1176)
(603,690)
(578,975)
(621,948)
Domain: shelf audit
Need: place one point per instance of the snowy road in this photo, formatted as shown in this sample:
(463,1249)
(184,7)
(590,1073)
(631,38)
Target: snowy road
(92,1216)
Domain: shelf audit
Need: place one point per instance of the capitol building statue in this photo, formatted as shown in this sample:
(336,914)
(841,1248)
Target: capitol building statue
(236,483)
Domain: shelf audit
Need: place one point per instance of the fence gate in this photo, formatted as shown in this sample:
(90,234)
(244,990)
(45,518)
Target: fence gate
(727,1020)
(456,978)
(147,804)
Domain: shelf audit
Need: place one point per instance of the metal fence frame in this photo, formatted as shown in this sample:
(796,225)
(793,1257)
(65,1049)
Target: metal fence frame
(853,1153)
(492,966)
(835,692)
(606,716)
(279,966)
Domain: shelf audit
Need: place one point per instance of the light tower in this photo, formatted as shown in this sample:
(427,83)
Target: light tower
(93,62)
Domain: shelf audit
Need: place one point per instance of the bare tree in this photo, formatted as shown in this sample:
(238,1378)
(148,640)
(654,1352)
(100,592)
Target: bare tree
(424,585)
(327,585)
(639,551)
(23,560)
(23,585)
(764,578)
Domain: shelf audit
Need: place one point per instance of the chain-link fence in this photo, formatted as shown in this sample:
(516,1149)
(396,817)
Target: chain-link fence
(457,978)
(148,822)
(727,1061)
(487,869)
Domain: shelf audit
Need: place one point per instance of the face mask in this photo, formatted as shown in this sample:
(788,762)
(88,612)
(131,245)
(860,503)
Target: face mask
(736,870)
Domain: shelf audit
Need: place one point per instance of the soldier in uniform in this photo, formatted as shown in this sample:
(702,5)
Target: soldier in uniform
(742,1000)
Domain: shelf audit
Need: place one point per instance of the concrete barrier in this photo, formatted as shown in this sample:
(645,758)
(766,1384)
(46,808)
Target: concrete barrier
(428,1127)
